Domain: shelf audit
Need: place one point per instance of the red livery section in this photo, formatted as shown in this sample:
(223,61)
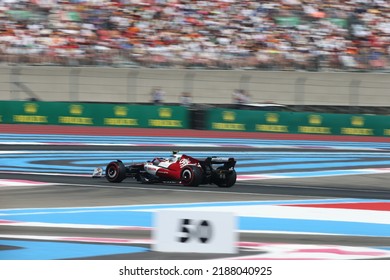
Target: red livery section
(378,206)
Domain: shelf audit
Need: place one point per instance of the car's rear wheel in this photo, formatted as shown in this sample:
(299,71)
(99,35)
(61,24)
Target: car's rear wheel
(228,181)
(115,172)
(191,176)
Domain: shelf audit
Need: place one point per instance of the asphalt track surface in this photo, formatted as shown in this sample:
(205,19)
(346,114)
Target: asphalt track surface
(81,191)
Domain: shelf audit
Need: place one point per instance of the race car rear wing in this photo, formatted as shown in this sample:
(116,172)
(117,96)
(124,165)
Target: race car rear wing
(227,162)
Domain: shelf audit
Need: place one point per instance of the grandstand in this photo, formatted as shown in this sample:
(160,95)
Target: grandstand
(309,35)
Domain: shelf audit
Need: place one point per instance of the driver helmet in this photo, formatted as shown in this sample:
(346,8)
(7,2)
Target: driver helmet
(175,156)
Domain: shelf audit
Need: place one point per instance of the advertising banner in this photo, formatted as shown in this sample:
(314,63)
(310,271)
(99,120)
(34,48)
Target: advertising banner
(298,122)
(160,116)
(93,114)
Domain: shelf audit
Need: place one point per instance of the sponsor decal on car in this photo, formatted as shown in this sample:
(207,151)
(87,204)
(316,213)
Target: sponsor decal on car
(183,162)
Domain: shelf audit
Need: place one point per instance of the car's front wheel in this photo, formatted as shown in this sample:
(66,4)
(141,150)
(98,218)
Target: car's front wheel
(115,172)
(191,175)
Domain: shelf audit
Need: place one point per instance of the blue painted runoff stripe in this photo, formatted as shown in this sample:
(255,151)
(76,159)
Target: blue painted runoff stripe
(315,226)
(79,162)
(126,140)
(142,216)
(45,250)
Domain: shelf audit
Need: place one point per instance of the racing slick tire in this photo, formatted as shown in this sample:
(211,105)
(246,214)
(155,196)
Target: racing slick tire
(115,171)
(191,176)
(228,181)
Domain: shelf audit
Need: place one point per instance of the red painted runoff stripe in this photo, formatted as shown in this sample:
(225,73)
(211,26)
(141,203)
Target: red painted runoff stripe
(121,131)
(2,222)
(378,206)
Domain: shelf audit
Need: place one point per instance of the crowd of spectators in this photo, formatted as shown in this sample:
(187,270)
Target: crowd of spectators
(222,34)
